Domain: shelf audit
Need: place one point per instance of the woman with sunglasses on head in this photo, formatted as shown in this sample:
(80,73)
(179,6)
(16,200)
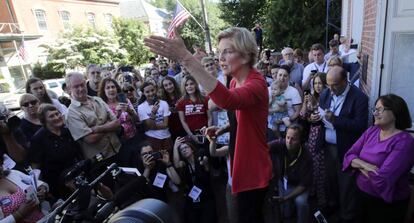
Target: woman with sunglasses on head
(53,150)
(30,123)
(171,93)
(381,161)
(36,87)
(130,92)
(248,96)
(193,109)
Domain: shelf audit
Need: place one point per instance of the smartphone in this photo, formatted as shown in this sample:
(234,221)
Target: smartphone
(319,217)
(306,92)
(122,98)
(200,138)
(156,155)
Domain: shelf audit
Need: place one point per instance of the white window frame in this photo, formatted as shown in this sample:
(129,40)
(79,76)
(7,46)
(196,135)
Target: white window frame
(41,13)
(89,16)
(66,23)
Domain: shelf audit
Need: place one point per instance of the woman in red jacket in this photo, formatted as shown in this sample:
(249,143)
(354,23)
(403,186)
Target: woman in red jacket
(251,166)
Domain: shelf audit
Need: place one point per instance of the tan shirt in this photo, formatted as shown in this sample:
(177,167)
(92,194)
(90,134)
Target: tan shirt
(82,117)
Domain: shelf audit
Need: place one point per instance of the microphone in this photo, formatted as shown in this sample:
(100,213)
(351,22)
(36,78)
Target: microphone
(83,166)
(120,197)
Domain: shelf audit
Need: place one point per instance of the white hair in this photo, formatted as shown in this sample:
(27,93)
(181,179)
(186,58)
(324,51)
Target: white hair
(287,50)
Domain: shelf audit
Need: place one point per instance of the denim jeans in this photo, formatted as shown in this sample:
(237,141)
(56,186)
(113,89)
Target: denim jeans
(299,203)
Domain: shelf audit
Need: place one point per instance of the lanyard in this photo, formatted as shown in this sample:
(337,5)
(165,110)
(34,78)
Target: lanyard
(336,103)
(323,69)
(294,161)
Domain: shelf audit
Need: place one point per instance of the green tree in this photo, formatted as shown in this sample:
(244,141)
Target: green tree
(85,46)
(130,34)
(297,23)
(191,32)
(49,70)
(243,13)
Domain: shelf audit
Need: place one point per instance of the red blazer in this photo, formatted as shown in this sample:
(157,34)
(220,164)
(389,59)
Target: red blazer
(251,167)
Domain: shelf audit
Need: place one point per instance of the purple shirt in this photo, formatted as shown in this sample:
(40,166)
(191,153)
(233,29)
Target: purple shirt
(394,158)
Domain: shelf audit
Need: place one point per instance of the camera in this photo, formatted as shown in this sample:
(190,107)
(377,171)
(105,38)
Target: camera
(12,122)
(313,72)
(306,92)
(156,155)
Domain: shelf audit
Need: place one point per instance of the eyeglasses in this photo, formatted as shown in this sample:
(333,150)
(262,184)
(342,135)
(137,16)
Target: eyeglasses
(379,110)
(208,65)
(226,52)
(26,104)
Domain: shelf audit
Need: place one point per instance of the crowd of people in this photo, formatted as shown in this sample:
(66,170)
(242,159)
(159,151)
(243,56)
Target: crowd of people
(236,137)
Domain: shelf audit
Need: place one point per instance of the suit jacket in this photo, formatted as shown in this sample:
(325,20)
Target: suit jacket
(352,120)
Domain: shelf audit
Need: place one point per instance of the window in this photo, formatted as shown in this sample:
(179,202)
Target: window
(91,19)
(52,85)
(108,20)
(65,17)
(41,19)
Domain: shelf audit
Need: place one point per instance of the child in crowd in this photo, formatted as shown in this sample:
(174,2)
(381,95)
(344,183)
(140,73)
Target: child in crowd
(277,107)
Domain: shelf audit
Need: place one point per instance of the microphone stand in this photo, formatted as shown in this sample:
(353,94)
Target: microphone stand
(53,215)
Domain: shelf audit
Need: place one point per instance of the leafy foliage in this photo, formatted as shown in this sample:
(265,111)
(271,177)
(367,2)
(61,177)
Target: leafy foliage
(191,32)
(130,34)
(243,13)
(49,70)
(295,23)
(83,46)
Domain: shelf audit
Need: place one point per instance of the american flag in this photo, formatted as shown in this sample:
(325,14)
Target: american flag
(180,16)
(22,51)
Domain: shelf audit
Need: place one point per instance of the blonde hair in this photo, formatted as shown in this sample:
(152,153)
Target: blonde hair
(335,61)
(243,41)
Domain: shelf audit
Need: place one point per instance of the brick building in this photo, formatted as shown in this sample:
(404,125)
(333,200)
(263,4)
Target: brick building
(384,31)
(40,22)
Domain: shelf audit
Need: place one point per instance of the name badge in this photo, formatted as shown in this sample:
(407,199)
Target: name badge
(5,202)
(159,180)
(195,193)
(8,163)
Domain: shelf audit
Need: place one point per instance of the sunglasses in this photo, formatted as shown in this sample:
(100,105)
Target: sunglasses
(26,104)
(95,72)
(208,65)
(128,90)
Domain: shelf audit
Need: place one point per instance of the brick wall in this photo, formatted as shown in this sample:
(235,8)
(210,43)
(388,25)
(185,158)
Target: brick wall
(368,39)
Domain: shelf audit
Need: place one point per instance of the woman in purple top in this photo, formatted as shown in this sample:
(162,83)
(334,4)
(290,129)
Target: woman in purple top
(382,159)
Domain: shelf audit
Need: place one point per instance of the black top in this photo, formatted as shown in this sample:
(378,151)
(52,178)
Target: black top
(54,154)
(296,169)
(91,92)
(198,177)
(156,192)
(28,129)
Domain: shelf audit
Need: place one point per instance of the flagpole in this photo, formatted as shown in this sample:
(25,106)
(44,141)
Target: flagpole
(195,20)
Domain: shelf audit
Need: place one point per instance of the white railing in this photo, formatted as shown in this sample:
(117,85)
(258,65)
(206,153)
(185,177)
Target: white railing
(10,28)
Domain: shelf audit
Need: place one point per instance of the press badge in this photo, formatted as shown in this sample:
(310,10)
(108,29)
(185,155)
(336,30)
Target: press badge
(159,180)
(5,202)
(195,193)
(8,163)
